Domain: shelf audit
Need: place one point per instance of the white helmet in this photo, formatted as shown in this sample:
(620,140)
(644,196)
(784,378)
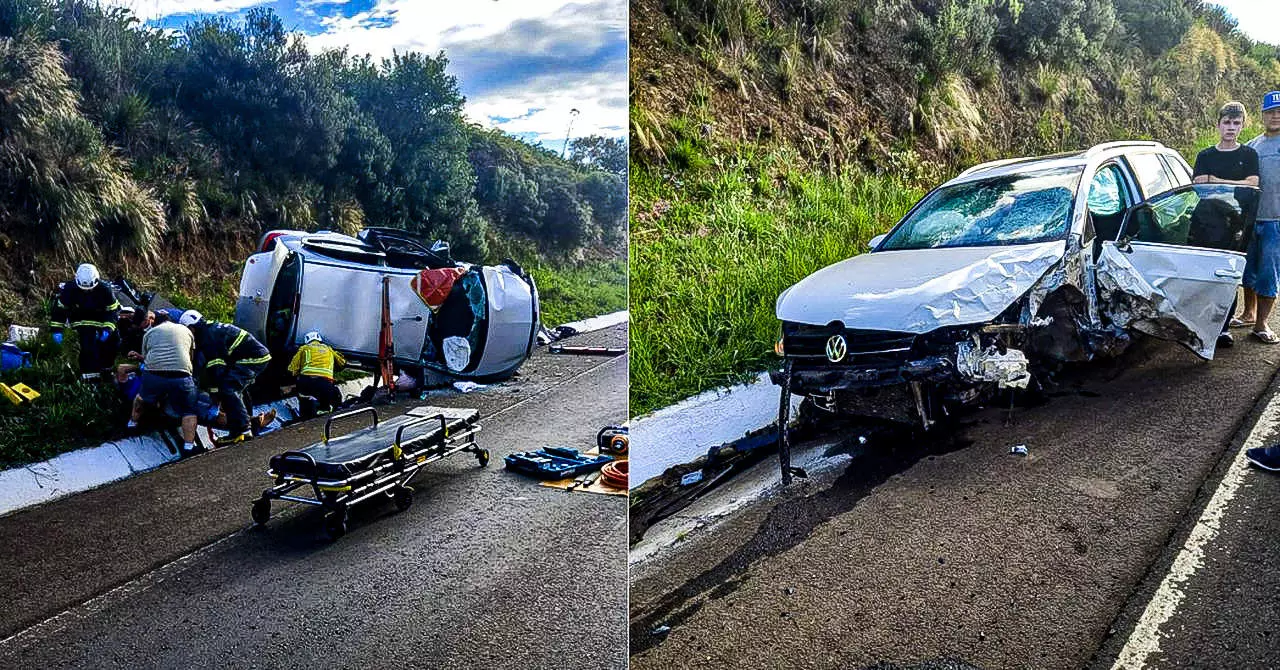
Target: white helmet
(190,317)
(87,276)
(312,336)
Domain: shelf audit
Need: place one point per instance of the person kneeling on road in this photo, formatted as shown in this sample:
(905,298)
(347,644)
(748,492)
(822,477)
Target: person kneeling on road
(167,351)
(315,364)
(92,310)
(233,359)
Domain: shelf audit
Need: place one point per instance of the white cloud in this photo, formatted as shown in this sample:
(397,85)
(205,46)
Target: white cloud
(148,10)
(544,108)
(540,105)
(413,25)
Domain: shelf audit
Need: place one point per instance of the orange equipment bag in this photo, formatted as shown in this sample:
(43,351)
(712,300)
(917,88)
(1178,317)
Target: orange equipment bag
(433,286)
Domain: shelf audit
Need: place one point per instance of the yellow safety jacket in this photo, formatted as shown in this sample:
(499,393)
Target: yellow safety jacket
(316,359)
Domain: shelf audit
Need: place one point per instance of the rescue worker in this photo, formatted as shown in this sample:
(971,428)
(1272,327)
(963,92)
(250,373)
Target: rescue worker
(315,364)
(232,360)
(167,351)
(91,309)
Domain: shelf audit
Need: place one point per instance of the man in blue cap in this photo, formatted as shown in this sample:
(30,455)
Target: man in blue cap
(1262,268)
(1268,147)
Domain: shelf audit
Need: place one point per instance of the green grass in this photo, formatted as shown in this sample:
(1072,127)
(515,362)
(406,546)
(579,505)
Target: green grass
(713,245)
(68,414)
(569,293)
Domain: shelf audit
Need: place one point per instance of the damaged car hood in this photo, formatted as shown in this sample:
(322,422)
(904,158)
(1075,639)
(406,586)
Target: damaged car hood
(919,290)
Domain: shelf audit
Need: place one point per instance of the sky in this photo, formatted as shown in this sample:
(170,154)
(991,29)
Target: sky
(523,65)
(1259,19)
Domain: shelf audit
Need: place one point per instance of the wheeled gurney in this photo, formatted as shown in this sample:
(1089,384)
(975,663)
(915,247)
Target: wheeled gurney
(378,460)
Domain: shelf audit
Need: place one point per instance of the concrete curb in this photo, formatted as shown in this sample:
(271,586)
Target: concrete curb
(109,462)
(599,322)
(686,430)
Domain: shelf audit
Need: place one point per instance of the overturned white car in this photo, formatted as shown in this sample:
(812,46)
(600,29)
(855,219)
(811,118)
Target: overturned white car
(1011,268)
(445,317)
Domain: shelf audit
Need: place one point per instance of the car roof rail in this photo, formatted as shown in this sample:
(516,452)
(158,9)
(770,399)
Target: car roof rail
(982,167)
(1122,144)
(989,165)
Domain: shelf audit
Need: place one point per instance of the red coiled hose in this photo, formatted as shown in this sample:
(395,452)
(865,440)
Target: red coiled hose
(615,474)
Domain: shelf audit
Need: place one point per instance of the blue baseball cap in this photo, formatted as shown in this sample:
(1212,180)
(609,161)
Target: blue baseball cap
(1271,100)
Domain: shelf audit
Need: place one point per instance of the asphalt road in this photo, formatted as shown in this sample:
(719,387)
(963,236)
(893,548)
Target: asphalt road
(952,552)
(486,569)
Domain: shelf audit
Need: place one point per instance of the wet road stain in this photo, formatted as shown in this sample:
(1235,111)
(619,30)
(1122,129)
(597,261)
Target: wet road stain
(887,451)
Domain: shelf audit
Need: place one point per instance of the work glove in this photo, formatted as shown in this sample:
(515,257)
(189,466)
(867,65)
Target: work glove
(57,337)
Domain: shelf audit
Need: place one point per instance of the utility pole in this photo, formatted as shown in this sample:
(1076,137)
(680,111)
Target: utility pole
(573,114)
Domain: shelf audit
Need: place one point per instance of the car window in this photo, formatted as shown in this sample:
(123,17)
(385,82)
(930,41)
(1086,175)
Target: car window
(1212,216)
(1009,209)
(1106,193)
(1177,168)
(1151,173)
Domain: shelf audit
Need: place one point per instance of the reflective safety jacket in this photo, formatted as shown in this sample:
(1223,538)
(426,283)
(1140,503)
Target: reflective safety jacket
(224,346)
(94,308)
(316,359)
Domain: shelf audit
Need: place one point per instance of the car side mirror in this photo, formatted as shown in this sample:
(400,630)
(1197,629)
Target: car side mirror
(1134,220)
(875,241)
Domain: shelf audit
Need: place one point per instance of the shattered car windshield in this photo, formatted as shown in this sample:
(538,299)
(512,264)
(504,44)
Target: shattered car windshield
(1009,209)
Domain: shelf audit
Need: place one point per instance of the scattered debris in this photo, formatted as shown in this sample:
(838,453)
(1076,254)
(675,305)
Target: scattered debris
(1019,449)
(467,387)
(661,630)
(586,351)
(691,478)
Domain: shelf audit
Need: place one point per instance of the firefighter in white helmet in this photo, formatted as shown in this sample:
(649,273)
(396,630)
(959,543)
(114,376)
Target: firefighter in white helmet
(315,364)
(88,307)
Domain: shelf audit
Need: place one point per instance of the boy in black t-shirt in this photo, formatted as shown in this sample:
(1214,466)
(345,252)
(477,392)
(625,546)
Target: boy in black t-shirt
(1228,162)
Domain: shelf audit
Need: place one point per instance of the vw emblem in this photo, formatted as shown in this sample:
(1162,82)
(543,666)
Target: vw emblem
(836,348)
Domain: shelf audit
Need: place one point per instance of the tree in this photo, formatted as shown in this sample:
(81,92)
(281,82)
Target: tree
(603,153)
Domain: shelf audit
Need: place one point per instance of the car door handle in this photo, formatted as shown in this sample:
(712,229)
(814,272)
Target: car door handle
(1232,274)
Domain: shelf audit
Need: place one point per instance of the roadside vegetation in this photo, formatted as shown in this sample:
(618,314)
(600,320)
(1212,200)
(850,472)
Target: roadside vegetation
(771,138)
(162,156)
(711,254)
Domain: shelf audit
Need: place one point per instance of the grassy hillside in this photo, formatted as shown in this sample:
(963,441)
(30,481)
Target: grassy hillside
(771,138)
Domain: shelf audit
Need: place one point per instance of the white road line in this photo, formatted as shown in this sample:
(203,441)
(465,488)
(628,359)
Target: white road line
(1145,639)
(143,582)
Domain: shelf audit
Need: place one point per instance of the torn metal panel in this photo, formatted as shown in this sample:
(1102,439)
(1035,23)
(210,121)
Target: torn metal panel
(920,290)
(1007,370)
(1164,295)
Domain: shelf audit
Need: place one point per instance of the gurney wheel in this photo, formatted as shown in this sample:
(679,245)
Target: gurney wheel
(335,525)
(483,457)
(403,498)
(261,511)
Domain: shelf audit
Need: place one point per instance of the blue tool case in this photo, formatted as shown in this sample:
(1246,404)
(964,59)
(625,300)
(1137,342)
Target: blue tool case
(555,463)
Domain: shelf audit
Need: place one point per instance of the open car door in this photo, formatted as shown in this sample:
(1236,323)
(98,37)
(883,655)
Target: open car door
(1173,272)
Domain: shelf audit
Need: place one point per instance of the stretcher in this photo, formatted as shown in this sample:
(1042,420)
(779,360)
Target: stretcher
(376,461)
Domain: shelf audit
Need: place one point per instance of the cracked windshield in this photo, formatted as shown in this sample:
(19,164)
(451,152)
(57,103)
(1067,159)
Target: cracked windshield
(1014,209)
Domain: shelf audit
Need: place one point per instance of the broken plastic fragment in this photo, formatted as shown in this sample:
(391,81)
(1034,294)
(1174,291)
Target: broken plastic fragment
(1007,370)
(1019,449)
